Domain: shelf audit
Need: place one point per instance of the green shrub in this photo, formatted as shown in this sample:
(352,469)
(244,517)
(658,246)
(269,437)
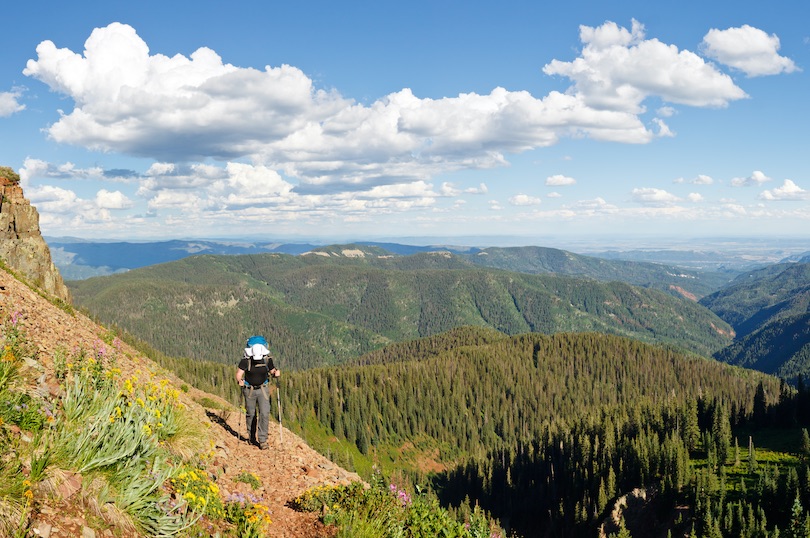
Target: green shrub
(9,173)
(250,479)
(383,511)
(210,403)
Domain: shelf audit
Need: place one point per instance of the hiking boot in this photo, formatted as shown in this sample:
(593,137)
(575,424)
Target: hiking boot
(264,446)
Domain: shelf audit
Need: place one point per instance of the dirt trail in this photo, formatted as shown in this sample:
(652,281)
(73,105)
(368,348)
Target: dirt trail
(286,470)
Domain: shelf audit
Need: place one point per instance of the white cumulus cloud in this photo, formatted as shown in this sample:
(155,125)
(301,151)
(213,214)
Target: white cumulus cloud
(191,108)
(789,191)
(480,189)
(654,197)
(755,179)
(748,49)
(50,199)
(9,103)
(700,179)
(619,68)
(524,200)
(37,168)
(559,180)
(112,200)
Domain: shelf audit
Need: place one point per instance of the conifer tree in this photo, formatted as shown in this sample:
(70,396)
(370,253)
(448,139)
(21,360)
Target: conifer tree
(798,525)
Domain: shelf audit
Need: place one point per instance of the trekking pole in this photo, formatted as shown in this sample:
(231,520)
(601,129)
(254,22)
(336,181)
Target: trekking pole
(278,401)
(242,424)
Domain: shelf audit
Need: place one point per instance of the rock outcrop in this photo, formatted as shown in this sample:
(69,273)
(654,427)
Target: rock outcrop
(22,247)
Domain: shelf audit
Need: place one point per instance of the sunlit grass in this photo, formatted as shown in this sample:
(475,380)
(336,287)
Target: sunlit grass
(122,437)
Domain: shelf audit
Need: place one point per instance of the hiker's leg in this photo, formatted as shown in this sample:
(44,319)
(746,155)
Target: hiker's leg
(264,414)
(250,412)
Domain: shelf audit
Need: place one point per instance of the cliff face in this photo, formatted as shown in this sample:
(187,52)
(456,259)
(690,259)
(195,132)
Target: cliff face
(22,247)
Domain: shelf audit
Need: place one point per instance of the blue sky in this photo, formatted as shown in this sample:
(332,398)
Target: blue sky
(364,120)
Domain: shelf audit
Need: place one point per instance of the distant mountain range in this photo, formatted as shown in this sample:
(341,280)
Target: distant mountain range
(338,302)
(78,259)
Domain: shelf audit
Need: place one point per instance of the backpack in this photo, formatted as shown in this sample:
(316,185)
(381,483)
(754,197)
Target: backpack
(252,341)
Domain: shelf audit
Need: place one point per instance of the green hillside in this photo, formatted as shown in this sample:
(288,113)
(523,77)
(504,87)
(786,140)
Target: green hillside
(770,311)
(781,348)
(759,297)
(475,391)
(546,432)
(324,309)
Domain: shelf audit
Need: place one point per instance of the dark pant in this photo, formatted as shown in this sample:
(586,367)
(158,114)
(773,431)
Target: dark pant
(257,425)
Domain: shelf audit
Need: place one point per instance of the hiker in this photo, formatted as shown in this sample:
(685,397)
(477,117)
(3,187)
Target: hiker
(253,375)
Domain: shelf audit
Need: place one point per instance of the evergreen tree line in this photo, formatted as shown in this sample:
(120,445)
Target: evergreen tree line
(508,392)
(696,477)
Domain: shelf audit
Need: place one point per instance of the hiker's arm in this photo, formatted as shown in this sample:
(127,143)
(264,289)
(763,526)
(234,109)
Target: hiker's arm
(240,374)
(275,372)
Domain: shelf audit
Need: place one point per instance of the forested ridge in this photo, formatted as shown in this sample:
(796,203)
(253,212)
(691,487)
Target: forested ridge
(669,278)
(546,432)
(322,310)
(769,310)
(759,297)
(508,391)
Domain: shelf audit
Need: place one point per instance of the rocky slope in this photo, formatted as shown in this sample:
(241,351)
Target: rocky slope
(288,469)
(22,247)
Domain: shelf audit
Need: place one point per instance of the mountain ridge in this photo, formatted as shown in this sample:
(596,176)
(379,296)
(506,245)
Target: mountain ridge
(769,309)
(323,309)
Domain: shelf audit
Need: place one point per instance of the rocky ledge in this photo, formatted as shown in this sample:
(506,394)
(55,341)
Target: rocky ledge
(22,247)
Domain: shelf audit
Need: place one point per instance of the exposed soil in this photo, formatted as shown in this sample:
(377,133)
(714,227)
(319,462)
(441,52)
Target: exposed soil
(287,469)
